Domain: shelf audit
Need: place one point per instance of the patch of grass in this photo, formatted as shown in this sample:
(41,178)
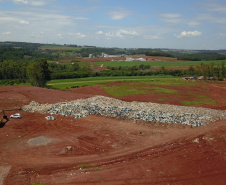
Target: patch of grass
(68,83)
(171,81)
(84,166)
(37,183)
(162,90)
(120,91)
(201,100)
(93,169)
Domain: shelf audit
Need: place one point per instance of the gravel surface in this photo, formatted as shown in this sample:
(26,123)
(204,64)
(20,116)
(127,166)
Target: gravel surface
(4,170)
(100,105)
(38,141)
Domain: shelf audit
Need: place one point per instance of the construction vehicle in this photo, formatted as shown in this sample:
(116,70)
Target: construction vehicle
(3,116)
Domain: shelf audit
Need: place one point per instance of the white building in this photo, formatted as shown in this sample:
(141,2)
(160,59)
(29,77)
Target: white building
(135,59)
(142,59)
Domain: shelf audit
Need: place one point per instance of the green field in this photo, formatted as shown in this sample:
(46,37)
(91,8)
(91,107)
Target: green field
(68,83)
(156,63)
(158,88)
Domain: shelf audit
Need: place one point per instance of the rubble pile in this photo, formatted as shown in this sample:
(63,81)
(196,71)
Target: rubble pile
(100,105)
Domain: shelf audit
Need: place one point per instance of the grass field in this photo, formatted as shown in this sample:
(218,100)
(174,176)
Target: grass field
(156,63)
(159,89)
(68,83)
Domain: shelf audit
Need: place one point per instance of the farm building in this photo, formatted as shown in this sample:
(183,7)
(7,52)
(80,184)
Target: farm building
(135,59)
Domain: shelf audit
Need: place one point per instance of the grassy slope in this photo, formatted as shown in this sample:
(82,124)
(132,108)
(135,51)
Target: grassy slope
(67,83)
(140,85)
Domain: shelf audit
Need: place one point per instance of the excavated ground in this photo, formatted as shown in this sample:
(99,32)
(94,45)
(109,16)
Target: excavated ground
(102,150)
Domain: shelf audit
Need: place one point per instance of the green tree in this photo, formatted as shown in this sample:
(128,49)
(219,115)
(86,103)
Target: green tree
(223,70)
(191,71)
(210,69)
(75,66)
(38,73)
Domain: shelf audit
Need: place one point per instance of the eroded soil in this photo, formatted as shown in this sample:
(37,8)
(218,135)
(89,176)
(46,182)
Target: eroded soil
(102,150)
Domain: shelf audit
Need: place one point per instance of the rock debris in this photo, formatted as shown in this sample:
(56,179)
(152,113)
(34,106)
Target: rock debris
(105,106)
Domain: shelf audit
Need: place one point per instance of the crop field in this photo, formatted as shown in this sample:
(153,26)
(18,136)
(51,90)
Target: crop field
(155,63)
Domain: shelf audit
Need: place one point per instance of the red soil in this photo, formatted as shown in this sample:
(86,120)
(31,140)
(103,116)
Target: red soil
(118,151)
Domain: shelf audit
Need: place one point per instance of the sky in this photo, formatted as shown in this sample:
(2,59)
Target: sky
(173,24)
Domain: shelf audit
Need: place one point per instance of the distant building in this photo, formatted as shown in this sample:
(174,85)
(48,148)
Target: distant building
(142,59)
(129,59)
(135,59)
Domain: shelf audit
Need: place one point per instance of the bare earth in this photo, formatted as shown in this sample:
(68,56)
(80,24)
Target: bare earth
(105,150)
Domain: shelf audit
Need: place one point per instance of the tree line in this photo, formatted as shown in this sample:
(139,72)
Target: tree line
(20,54)
(39,72)
(208,70)
(201,56)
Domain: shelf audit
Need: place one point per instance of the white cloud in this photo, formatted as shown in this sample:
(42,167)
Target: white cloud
(37,3)
(6,33)
(222,35)
(193,23)
(8,19)
(20,1)
(171,15)
(127,33)
(100,33)
(172,18)
(118,14)
(122,34)
(81,18)
(189,34)
(77,35)
(24,22)
(152,37)
(216,8)
(80,35)
(30,2)
(211,18)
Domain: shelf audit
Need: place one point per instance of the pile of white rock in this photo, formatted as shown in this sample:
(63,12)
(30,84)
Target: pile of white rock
(105,106)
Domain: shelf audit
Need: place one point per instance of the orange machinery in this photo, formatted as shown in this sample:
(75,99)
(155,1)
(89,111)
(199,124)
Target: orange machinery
(3,116)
